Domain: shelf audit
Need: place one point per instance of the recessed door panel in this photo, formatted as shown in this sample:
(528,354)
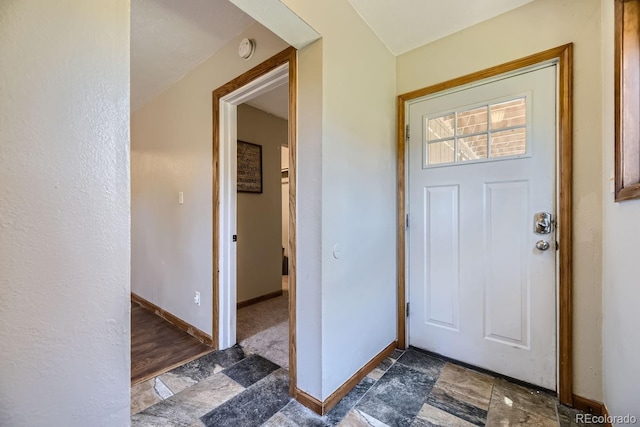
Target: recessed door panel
(506,284)
(441,249)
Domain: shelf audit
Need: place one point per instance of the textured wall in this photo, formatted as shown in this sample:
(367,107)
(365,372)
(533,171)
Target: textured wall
(621,282)
(259,256)
(537,26)
(64,213)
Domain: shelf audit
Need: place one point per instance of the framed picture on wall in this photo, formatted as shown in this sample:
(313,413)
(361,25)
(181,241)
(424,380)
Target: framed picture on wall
(249,167)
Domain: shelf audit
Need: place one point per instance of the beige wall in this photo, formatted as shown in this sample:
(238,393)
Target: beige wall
(357,192)
(621,280)
(537,26)
(259,249)
(64,213)
(171,151)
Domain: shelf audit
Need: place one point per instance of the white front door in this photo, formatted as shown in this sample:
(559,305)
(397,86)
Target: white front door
(481,165)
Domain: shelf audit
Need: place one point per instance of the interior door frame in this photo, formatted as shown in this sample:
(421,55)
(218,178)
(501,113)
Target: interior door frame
(564,57)
(225,101)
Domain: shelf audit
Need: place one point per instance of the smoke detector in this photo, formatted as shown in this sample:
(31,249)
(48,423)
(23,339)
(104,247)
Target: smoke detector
(246,48)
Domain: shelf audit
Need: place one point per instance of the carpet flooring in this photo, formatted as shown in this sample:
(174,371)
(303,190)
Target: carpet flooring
(263,329)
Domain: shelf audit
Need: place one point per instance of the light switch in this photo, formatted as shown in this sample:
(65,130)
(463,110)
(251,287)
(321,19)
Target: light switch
(181,198)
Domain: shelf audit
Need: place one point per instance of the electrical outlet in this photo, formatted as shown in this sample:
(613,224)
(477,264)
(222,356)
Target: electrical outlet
(196,298)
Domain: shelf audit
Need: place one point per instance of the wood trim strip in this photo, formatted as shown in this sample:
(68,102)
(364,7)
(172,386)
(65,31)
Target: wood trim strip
(565,226)
(564,54)
(626,97)
(171,367)
(589,406)
(628,193)
(322,408)
(345,388)
(293,191)
(527,61)
(607,417)
(261,298)
(174,320)
(307,400)
(288,55)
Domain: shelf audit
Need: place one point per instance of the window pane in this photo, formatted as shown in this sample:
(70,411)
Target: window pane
(508,114)
(472,121)
(441,152)
(440,127)
(509,143)
(472,148)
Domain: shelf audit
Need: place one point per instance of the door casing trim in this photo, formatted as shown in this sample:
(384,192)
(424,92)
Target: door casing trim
(287,56)
(564,56)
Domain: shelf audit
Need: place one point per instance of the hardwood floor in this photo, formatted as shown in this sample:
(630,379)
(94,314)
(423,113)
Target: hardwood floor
(158,346)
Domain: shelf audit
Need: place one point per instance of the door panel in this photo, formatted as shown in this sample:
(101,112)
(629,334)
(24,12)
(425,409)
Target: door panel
(506,316)
(441,247)
(481,164)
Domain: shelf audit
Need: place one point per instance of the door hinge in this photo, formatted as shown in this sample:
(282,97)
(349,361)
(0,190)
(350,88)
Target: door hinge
(557,246)
(406,132)
(408,309)
(406,221)
(234,238)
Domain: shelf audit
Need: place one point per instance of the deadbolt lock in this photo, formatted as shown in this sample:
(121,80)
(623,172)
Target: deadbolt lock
(542,222)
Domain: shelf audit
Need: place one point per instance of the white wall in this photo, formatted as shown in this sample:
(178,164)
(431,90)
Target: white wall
(621,281)
(171,151)
(259,247)
(537,26)
(309,219)
(357,189)
(64,213)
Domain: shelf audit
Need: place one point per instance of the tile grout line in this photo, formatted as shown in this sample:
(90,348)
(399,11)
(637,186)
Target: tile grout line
(368,390)
(493,386)
(157,378)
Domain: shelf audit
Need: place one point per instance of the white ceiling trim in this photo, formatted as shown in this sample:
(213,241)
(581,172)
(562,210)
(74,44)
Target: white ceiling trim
(282,21)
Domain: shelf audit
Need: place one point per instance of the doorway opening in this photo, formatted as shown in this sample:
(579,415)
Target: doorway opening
(278,71)
(262,226)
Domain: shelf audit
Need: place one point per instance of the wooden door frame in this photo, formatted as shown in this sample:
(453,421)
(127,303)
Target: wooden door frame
(564,57)
(287,56)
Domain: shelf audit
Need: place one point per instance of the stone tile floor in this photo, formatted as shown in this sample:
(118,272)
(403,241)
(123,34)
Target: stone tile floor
(410,388)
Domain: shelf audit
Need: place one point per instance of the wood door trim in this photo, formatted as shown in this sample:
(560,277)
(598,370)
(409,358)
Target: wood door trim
(589,406)
(564,56)
(288,55)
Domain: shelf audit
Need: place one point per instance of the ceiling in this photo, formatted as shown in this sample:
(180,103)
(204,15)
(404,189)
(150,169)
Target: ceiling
(169,38)
(275,102)
(407,24)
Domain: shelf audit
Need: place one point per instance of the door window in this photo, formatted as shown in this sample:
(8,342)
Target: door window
(481,133)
